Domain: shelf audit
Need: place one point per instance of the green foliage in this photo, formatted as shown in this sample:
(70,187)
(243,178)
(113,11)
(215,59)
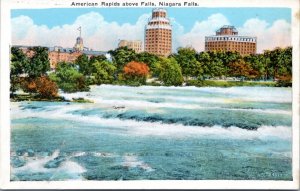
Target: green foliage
(122,56)
(220,83)
(39,63)
(170,72)
(83,64)
(186,58)
(69,79)
(99,58)
(149,59)
(103,72)
(17,65)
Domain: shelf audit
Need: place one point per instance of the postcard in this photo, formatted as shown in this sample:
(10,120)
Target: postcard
(150,94)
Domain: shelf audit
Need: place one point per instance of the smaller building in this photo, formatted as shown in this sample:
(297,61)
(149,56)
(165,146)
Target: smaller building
(227,39)
(135,45)
(60,54)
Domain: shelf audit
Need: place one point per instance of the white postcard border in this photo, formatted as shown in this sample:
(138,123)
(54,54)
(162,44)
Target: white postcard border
(5,183)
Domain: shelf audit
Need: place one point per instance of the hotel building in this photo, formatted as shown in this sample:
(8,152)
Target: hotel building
(227,39)
(135,45)
(59,54)
(158,33)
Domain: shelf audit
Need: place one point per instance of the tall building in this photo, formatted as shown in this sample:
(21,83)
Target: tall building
(135,45)
(158,33)
(227,39)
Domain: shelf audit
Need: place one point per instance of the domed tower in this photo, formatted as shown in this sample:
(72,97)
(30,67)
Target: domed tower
(158,33)
(78,47)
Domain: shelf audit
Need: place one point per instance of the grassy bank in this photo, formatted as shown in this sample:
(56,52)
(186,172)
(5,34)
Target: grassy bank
(219,83)
(28,97)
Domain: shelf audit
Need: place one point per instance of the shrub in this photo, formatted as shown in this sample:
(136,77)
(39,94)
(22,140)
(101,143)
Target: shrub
(135,72)
(42,86)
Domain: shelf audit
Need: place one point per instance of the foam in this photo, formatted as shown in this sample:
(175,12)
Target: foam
(131,161)
(266,94)
(141,128)
(36,165)
(233,94)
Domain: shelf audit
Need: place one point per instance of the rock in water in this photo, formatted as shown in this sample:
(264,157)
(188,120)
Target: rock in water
(55,162)
(30,152)
(17,162)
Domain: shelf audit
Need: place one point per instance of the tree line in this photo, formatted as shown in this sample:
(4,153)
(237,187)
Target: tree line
(126,67)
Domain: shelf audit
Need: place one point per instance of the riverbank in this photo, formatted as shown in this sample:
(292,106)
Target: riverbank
(226,83)
(206,83)
(28,97)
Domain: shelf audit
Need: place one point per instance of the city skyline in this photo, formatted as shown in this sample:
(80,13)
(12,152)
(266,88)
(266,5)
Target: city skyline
(102,32)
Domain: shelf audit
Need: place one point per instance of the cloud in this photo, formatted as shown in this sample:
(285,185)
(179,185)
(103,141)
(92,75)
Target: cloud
(97,33)
(100,34)
(196,36)
(269,36)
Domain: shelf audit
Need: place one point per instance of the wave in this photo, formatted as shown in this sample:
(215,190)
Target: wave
(145,128)
(266,94)
(36,165)
(195,94)
(131,161)
(152,106)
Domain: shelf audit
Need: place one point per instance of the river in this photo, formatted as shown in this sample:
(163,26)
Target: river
(155,133)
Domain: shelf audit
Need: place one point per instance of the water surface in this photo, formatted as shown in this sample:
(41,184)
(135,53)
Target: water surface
(150,133)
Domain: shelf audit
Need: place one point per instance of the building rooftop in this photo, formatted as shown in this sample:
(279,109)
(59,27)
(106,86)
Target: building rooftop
(159,10)
(227,27)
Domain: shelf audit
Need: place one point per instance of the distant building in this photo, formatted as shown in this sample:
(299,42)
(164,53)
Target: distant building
(158,33)
(78,47)
(135,45)
(227,39)
(59,54)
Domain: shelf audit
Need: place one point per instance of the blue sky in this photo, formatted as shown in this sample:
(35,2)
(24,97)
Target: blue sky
(103,27)
(185,16)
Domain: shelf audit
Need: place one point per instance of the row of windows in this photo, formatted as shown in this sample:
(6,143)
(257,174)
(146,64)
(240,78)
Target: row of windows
(241,43)
(159,36)
(232,38)
(157,30)
(159,33)
(162,39)
(158,22)
(229,45)
(232,49)
(158,45)
(159,14)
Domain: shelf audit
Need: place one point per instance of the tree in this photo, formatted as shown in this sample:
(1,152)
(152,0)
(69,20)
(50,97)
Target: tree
(103,72)
(210,64)
(99,58)
(170,72)
(149,59)
(38,63)
(122,56)
(69,79)
(240,68)
(84,65)
(41,86)
(17,65)
(186,58)
(136,71)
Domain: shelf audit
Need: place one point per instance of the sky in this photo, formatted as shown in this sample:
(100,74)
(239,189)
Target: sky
(102,28)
